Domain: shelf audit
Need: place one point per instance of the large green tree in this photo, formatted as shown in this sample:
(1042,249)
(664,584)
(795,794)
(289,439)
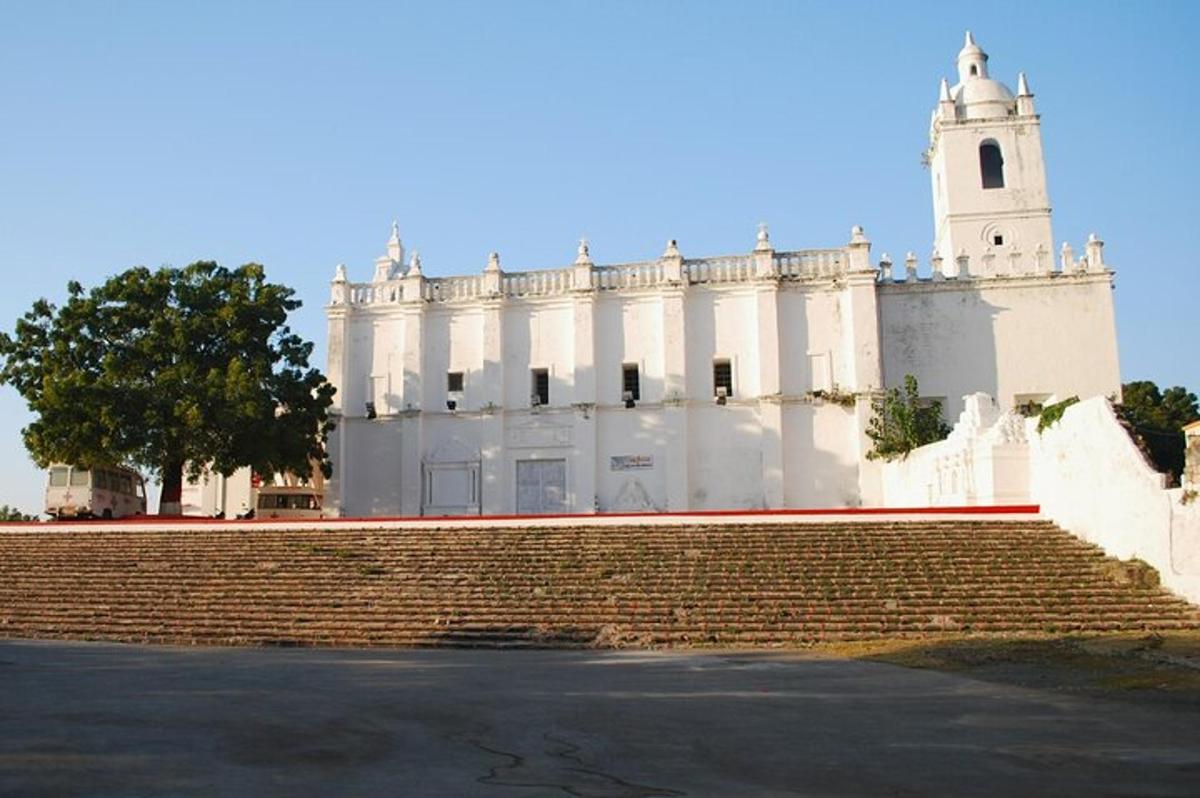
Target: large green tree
(169,369)
(902,421)
(1158,417)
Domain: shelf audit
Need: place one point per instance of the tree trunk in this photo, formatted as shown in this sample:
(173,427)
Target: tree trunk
(171,500)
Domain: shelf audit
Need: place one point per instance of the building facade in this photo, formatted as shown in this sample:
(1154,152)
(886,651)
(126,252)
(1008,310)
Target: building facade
(738,381)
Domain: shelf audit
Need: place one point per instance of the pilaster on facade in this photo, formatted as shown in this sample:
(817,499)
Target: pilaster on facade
(675,410)
(494,484)
(770,408)
(584,388)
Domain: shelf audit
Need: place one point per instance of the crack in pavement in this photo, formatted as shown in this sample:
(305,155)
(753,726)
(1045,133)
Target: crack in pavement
(519,771)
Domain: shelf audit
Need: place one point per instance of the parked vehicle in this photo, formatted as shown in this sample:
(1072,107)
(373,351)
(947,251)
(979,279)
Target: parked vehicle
(288,501)
(73,491)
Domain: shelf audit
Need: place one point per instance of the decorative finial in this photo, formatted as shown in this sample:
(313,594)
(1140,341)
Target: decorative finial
(857,236)
(764,238)
(339,274)
(672,250)
(970,40)
(582,255)
(414,264)
(944,92)
(395,250)
(1023,86)
(493,264)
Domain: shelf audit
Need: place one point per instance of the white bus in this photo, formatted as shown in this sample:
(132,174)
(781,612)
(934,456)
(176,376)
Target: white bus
(105,492)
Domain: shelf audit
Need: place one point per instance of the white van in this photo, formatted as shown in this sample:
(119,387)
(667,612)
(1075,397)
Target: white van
(74,491)
(287,501)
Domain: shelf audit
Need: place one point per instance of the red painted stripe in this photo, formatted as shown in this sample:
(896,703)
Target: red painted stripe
(1008,509)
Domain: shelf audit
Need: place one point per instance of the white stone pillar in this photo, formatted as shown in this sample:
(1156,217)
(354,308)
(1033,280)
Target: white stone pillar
(675,408)
(412,419)
(770,409)
(584,432)
(495,495)
(337,360)
(861,348)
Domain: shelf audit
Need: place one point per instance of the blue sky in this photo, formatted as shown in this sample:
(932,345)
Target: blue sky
(293,133)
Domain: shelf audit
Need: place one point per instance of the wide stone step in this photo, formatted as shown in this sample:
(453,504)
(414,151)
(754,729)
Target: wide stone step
(711,584)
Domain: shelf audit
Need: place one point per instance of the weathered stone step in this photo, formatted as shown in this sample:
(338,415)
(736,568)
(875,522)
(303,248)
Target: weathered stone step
(715,584)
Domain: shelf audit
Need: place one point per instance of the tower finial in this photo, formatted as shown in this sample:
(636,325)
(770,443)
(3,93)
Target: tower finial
(395,249)
(1023,86)
(944,92)
(972,60)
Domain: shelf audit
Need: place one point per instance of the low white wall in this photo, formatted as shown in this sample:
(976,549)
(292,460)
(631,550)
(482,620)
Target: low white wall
(984,461)
(1084,472)
(1090,478)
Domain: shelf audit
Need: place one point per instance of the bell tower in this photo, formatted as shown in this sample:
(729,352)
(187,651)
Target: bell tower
(990,205)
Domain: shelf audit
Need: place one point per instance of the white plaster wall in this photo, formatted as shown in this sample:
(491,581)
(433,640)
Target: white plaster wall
(725,457)
(538,335)
(637,431)
(371,477)
(811,341)
(1050,336)
(1089,477)
(629,330)
(720,324)
(374,348)
(820,468)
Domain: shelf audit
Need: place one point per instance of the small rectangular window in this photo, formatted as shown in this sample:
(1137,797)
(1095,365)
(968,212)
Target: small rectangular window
(101,480)
(722,378)
(454,382)
(630,384)
(79,477)
(540,389)
(998,240)
(58,477)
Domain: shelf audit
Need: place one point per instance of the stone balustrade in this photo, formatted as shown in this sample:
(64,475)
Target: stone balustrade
(1004,262)
(802,265)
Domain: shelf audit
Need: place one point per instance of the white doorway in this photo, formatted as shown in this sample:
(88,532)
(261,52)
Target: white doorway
(541,487)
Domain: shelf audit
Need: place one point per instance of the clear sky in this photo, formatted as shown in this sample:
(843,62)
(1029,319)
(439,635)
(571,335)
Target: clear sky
(292,134)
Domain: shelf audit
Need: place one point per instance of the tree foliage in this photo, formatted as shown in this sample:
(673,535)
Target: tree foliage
(1158,417)
(13,514)
(902,422)
(158,369)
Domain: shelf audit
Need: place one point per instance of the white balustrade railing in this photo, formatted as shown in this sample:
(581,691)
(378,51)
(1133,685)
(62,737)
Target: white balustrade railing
(811,264)
(728,269)
(627,275)
(814,264)
(453,289)
(374,293)
(539,283)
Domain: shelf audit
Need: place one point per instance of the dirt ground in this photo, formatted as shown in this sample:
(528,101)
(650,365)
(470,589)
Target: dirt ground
(1145,667)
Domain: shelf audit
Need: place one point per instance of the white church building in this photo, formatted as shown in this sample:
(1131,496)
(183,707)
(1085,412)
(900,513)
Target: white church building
(735,381)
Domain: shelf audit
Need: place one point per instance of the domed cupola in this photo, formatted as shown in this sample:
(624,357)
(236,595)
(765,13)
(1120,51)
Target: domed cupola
(976,96)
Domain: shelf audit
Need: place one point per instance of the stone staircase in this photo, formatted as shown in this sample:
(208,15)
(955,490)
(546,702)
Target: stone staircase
(695,585)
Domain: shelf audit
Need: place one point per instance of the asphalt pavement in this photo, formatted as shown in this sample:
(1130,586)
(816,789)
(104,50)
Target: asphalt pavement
(89,719)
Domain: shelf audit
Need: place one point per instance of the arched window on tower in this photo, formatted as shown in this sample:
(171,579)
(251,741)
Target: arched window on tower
(991,165)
